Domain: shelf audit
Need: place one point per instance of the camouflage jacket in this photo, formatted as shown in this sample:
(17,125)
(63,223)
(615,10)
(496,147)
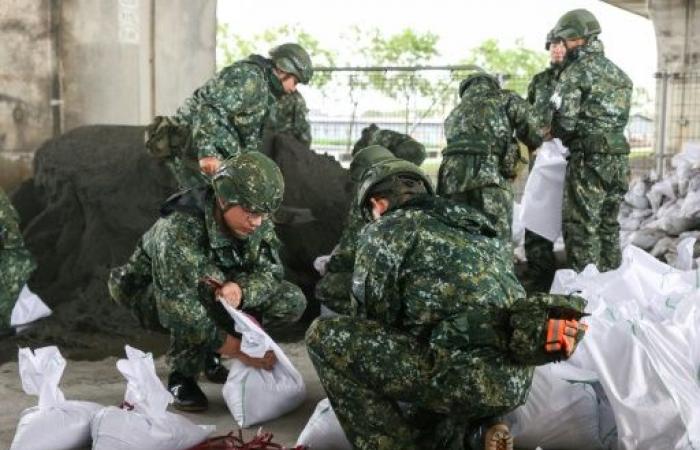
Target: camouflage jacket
(484,126)
(592,98)
(10,234)
(290,115)
(539,93)
(401,145)
(432,270)
(227,114)
(190,244)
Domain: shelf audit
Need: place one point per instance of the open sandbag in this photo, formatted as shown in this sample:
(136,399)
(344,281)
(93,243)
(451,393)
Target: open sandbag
(142,422)
(29,308)
(257,395)
(323,431)
(55,423)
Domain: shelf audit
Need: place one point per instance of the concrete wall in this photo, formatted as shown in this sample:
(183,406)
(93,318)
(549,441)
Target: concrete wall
(67,63)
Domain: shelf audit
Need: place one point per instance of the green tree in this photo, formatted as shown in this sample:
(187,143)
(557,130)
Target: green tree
(517,65)
(231,47)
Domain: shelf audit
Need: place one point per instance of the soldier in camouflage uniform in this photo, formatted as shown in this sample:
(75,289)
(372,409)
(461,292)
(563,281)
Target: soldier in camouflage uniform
(333,289)
(290,116)
(226,116)
(591,109)
(541,263)
(220,233)
(482,154)
(16,263)
(425,326)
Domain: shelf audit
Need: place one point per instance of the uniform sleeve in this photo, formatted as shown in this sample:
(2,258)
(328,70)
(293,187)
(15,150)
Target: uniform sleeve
(262,279)
(178,267)
(567,104)
(227,96)
(523,120)
(302,129)
(531,88)
(376,278)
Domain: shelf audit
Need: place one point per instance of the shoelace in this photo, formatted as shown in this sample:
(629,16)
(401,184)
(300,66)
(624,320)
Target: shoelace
(261,441)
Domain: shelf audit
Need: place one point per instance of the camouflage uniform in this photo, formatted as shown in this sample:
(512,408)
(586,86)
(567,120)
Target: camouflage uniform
(222,118)
(540,251)
(16,263)
(333,289)
(482,154)
(162,281)
(592,103)
(290,116)
(428,328)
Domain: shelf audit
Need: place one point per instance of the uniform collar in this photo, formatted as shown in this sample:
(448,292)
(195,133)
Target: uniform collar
(218,238)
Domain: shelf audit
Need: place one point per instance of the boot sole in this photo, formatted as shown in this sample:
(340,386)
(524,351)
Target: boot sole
(190,408)
(498,437)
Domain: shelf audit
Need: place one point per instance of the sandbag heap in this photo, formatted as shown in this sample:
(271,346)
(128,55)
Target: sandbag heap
(95,191)
(658,214)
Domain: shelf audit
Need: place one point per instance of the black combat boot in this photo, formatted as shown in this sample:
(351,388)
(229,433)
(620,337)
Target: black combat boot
(188,396)
(214,370)
(491,434)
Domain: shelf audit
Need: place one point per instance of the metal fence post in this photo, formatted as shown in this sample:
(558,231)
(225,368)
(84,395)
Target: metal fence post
(663,123)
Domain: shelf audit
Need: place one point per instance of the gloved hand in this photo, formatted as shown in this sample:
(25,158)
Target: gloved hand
(563,336)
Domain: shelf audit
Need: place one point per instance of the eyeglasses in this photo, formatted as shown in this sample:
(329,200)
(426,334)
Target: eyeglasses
(253,216)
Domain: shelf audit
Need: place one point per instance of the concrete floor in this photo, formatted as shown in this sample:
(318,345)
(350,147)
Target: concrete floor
(99,381)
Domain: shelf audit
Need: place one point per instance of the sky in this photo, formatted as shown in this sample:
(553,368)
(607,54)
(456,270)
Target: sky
(462,25)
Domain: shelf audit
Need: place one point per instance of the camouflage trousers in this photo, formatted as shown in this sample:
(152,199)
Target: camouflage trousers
(541,263)
(15,268)
(595,185)
(389,392)
(197,326)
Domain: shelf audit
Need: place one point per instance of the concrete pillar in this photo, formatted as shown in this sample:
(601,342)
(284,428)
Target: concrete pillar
(67,63)
(677,24)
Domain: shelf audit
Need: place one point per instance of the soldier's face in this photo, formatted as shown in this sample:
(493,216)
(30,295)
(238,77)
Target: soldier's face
(557,51)
(573,43)
(289,82)
(241,222)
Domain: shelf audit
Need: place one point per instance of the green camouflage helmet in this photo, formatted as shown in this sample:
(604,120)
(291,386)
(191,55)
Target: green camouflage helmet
(577,23)
(366,158)
(393,178)
(292,58)
(477,74)
(251,180)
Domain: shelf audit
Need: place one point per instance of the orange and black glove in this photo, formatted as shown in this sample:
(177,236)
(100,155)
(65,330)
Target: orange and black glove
(563,336)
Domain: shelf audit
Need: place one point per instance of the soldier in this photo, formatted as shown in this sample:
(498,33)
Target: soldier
(226,116)
(428,325)
(333,289)
(591,109)
(481,155)
(16,263)
(541,264)
(401,145)
(290,116)
(219,233)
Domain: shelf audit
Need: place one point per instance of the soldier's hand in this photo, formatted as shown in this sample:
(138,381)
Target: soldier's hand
(267,362)
(209,164)
(231,293)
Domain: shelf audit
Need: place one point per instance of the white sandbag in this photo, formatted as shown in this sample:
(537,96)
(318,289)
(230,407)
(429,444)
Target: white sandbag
(321,264)
(28,308)
(144,422)
(563,411)
(257,395)
(323,431)
(517,228)
(544,191)
(685,250)
(646,238)
(55,423)
(661,192)
(636,195)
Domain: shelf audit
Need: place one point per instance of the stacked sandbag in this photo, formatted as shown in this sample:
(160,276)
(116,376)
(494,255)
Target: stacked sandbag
(657,214)
(55,423)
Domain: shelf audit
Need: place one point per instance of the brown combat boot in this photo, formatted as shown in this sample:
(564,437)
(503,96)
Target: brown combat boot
(498,437)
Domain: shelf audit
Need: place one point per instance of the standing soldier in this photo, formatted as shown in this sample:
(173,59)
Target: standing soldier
(290,115)
(432,325)
(221,236)
(16,263)
(481,156)
(591,109)
(226,116)
(333,289)
(541,264)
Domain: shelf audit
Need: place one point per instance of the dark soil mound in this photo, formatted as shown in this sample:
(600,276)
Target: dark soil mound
(95,191)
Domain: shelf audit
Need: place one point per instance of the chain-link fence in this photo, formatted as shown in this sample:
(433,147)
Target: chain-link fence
(416,100)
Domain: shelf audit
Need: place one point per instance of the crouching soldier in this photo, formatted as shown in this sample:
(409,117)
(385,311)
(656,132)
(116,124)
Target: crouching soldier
(430,355)
(16,263)
(220,236)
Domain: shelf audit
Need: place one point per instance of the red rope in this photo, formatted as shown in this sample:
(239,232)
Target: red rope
(261,441)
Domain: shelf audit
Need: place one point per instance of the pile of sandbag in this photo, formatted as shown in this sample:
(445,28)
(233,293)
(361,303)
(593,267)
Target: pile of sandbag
(658,214)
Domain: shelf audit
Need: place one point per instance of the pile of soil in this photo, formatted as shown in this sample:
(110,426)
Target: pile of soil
(95,191)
